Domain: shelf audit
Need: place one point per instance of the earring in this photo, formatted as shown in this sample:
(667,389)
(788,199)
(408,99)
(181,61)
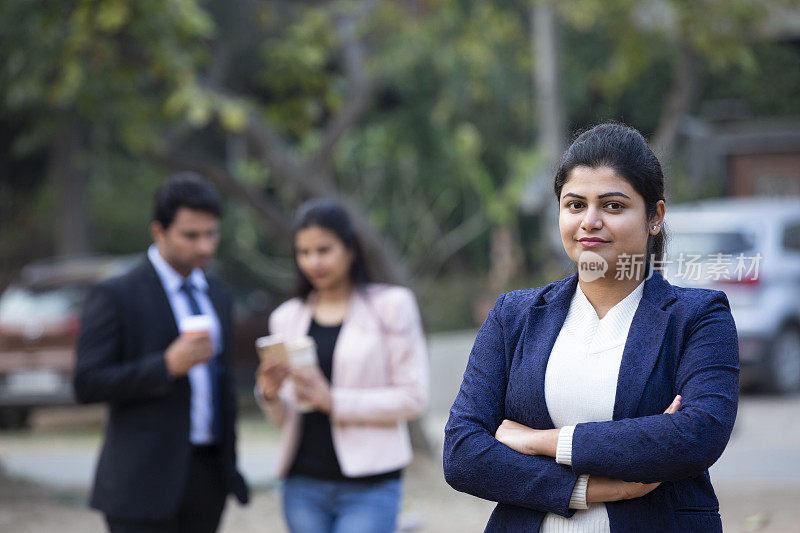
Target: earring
(655,228)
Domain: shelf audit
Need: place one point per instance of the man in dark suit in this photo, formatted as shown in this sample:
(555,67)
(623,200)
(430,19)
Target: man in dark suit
(169,459)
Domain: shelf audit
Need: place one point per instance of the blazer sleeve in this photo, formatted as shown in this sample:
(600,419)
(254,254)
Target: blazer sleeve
(406,395)
(668,447)
(477,463)
(100,373)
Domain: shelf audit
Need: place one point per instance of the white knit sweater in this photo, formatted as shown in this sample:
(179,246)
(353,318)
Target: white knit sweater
(580,386)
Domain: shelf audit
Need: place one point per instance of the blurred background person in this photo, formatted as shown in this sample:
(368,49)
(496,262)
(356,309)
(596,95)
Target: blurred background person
(342,461)
(169,458)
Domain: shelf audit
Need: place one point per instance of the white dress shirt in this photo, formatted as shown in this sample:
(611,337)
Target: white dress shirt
(202,409)
(580,386)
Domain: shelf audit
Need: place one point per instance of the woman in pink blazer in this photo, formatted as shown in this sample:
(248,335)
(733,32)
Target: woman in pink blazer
(342,461)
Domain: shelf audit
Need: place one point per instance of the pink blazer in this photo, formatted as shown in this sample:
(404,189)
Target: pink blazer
(379,380)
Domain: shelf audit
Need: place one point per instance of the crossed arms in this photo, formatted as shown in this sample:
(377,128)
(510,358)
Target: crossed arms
(649,449)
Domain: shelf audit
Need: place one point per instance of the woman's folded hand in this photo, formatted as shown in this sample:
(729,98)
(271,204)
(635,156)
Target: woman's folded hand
(600,489)
(527,440)
(674,406)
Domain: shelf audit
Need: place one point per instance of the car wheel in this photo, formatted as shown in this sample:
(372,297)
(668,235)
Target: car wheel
(784,361)
(14,417)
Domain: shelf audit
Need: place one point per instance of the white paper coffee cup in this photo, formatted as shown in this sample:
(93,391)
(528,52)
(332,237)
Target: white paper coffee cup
(302,354)
(269,340)
(272,348)
(195,325)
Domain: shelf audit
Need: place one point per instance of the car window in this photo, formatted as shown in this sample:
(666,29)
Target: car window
(23,305)
(791,237)
(706,243)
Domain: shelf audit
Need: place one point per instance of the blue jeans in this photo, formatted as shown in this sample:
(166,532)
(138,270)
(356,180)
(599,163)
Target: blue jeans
(318,506)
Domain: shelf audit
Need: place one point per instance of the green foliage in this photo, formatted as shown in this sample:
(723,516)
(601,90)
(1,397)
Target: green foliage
(295,73)
(449,138)
(769,89)
(128,202)
(625,72)
(456,109)
(103,62)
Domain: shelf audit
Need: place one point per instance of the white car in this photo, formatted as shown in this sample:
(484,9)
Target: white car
(750,249)
(39,322)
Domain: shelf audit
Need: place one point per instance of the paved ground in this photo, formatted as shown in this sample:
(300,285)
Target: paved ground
(46,471)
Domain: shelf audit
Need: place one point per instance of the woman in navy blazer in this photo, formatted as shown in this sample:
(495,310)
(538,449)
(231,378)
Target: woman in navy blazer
(648,466)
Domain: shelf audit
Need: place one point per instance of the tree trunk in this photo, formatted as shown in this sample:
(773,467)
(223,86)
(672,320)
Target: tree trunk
(550,111)
(547,80)
(70,183)
(507,257)
(678,102)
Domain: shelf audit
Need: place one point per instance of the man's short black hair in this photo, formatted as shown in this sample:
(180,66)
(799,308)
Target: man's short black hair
(185,189)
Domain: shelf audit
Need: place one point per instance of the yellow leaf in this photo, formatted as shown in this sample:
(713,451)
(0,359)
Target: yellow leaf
(112,15)
(199,113)
(232,116)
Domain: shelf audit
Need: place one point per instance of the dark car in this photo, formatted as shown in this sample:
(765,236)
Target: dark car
(40,320)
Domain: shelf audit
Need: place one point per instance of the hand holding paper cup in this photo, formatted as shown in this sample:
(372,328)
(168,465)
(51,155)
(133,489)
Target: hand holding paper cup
(272,350)
(192,347)
(277,356)
(274,367)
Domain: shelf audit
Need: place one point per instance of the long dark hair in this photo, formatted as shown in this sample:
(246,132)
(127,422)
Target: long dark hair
(332,216)
(623,149)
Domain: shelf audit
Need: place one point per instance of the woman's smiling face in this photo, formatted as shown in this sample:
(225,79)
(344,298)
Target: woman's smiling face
(322,257)
(599,211)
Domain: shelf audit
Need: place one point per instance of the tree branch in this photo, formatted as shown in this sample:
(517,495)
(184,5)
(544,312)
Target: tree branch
(312,178)
(452,242)
(270,148)
(360,86)
(276,221)
(390,265)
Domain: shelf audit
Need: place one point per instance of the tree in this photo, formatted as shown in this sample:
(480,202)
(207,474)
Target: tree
(690,38)
(83,74)
(420,116)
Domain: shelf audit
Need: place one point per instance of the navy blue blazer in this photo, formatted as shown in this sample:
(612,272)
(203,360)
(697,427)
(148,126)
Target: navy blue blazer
(681,341)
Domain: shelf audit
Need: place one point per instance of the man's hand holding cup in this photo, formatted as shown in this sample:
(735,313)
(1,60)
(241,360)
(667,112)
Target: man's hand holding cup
(192,347)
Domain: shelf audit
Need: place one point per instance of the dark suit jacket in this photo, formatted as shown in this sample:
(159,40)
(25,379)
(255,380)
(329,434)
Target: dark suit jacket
(681,341)
(126,326)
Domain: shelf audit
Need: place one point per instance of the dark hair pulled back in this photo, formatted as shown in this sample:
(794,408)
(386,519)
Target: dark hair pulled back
(623,149)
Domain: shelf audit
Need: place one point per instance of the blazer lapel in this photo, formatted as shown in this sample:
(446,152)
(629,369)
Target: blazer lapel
(542,328)
(224,320)
(643,346)
(163,309)
(302,321)
(354,317)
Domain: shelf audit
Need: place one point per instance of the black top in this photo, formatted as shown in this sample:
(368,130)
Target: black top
(315,455)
